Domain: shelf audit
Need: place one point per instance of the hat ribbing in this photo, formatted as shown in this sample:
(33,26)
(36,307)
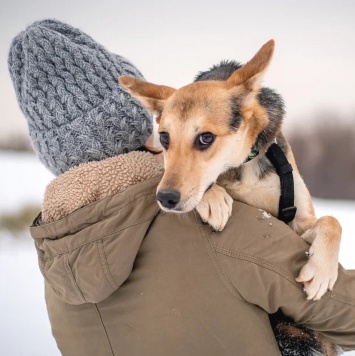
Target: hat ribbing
(67,87)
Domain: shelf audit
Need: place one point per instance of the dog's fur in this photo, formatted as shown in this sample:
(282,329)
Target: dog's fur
(228,102)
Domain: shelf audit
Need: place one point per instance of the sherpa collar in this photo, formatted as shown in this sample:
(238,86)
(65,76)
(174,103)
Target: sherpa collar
(93,181)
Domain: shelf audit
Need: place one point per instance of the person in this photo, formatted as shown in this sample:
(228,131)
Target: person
(121,277)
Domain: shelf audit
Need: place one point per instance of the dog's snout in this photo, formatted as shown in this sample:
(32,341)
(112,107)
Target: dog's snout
(168,198)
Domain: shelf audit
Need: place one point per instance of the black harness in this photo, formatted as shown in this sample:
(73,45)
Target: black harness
(275,155)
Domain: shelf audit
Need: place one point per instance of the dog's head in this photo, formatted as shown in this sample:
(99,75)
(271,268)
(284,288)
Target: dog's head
(205,128)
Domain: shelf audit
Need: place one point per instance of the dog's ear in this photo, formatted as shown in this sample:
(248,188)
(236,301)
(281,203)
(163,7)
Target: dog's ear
(245,84)
(151,96)
(249,76)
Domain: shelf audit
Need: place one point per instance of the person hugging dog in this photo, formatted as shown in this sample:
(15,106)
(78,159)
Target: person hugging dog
(120,276)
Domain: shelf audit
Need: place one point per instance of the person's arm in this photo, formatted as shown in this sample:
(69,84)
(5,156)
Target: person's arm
(261,258)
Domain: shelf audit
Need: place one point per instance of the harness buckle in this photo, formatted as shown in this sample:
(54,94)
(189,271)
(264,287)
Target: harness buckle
(288,214)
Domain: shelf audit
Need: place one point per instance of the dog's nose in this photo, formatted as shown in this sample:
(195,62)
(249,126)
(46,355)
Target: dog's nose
(168,198)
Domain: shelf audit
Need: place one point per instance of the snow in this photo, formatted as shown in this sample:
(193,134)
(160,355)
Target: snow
(24,180)
(265,214)
(24,328)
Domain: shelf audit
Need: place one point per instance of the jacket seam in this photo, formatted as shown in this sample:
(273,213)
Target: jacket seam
(104,331)
(50,282)
(280,272)
(72,280)
(257,261)
(98,238)
(273,268)
(234,288)
(104,265)
(342,299)
(206,237)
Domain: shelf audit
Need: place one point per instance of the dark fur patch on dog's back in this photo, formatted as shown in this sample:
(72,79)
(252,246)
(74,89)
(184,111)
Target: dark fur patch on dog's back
(296,340)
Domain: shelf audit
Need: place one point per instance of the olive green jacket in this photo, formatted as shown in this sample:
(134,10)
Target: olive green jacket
(123,278)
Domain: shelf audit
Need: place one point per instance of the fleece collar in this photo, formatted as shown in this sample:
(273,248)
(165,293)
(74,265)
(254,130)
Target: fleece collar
(93,181)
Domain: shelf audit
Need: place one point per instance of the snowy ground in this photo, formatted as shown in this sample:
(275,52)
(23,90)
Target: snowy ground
(24,328)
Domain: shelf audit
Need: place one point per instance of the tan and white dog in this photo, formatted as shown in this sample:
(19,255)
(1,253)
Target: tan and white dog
(207,130)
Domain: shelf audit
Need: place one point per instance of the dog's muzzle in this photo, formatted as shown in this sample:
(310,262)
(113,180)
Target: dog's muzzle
(168,198)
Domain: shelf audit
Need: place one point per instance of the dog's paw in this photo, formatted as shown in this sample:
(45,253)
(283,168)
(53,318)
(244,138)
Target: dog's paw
(319,274)
(321,271)
(215,207)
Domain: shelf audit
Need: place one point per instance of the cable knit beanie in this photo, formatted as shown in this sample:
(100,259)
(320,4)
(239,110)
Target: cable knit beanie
(67,87)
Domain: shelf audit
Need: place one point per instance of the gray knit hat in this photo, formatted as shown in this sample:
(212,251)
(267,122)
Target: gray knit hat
(67,87)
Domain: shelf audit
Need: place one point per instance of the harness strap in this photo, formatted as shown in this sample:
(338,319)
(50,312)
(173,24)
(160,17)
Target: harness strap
(287,210)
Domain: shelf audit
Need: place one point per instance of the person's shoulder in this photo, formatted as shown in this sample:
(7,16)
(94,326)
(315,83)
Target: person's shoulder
(255,232)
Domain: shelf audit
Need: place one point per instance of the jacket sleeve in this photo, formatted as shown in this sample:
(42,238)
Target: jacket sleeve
(262,261)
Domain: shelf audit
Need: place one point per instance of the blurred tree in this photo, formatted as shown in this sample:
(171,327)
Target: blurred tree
(19,221)
(18,143)
(325,155)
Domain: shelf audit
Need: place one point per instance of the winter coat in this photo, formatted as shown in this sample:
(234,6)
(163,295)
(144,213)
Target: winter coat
(123,278)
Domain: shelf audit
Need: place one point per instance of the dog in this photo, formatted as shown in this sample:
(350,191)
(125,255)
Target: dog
(211,130)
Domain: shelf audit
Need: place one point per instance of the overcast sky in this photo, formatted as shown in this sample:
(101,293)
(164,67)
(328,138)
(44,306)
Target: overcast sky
(170,41)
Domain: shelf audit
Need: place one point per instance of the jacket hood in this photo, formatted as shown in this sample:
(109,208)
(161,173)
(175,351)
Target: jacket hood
(86,255)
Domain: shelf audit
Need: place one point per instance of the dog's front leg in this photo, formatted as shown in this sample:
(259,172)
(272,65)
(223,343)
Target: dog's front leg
(215,207)
(321,271)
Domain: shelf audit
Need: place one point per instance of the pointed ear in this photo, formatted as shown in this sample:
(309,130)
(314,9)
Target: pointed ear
(151,96)
(250,74)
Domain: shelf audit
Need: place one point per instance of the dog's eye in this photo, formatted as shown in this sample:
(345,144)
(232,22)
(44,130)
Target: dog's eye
(164,139)
(204,140)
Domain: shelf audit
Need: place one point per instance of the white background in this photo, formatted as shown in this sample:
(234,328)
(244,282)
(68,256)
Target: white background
(170,41)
